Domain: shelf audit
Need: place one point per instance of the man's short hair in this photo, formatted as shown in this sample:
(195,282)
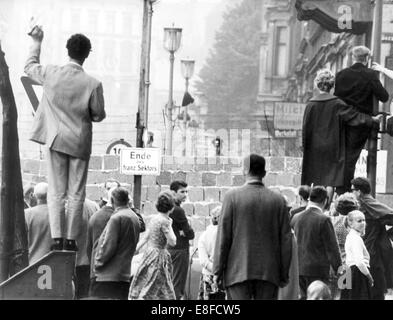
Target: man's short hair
(361,184)
(304,192)
(178,184)
(120,196)
(318,194)
(318,290)
(360,53)
(254,165)
(111,181)
(79,46)
(41,190)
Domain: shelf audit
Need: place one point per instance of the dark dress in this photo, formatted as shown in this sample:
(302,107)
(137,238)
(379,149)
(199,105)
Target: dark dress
(357,86)
(324,142)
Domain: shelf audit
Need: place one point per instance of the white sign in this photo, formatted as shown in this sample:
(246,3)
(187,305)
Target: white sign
(361,169)
(140,161)
(285,134)
(288,115)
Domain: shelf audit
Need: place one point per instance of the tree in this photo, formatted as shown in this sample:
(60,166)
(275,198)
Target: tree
(229,79)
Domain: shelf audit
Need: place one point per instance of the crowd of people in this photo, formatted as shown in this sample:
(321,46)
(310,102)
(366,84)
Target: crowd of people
(256,247)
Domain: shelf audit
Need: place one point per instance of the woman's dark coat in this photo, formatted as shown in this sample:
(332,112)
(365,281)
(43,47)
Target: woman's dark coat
(324,129)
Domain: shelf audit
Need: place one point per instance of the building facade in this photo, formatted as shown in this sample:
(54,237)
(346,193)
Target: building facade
(292,52)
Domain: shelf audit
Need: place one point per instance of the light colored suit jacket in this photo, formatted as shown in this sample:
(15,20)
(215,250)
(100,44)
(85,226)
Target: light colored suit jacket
(71,101)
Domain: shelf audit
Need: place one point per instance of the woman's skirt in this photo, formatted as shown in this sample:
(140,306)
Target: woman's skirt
(358,288)
(153,279)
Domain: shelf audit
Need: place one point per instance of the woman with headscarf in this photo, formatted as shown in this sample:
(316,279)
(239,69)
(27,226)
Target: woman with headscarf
(324,128)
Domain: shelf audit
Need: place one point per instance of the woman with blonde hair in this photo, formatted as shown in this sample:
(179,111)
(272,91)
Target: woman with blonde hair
(324,128)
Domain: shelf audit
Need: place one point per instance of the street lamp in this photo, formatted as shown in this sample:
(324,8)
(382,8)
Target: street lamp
(172,40)
(187,70)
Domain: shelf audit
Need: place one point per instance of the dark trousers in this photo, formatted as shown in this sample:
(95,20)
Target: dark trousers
(82,281)
(305,281)
(109,289)
(253,290)
(180,261)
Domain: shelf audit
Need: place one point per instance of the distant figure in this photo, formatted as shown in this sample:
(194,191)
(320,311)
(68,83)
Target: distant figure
(109,184)
(96,226)
(317,243)
(180,253)
(82,270)
(303,194)
(37,223)
(326,120)
(376,238)
(357,260)
(357,86)
(208,289)
(71,101)
(218,142)
(28,195)
(318,290)
(115,250)
(252,254)
(153,278)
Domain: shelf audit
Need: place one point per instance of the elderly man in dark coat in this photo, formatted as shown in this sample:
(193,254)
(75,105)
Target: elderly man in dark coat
(357,86)
(324,131)
(253,248)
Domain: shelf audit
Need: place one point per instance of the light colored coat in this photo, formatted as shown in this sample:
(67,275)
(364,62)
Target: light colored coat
(38,232)
(71,101)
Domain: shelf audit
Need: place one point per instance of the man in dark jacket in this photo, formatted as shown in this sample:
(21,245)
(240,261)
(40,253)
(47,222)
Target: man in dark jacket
(376,238)
(253,249)
(357,86)
(115,249)
(180,253)
(317,243)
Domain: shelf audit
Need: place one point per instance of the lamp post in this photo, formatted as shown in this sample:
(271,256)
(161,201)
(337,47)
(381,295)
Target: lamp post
(144,84)
(187,70)
(172,40)
(373,139)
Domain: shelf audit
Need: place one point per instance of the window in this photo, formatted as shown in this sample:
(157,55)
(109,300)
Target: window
(126,57)
(93,21)
(75,19)
(127,23)
(110,21)
(281,52)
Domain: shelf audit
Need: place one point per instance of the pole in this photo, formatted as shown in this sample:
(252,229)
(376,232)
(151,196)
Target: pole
(170,106)
(13,236)
(373,139)
(185,124)
(144,83)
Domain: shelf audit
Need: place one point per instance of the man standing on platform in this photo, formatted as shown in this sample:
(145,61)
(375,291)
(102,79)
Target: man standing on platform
(71,101)
(180,253)
(357,86)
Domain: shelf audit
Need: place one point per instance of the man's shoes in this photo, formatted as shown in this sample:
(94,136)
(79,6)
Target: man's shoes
(57,245)
(70,245)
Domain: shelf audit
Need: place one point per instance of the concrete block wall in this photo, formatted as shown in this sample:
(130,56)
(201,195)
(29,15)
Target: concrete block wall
(208,180)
